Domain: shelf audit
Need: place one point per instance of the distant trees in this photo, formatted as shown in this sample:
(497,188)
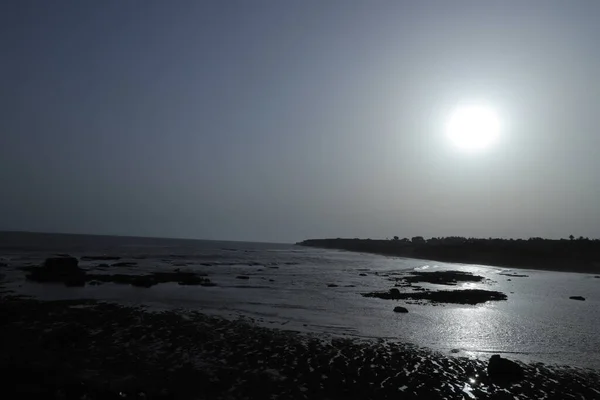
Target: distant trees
(418,240)
(396,238)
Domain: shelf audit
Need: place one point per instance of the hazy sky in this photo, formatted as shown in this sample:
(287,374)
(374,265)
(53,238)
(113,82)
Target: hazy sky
(284,120)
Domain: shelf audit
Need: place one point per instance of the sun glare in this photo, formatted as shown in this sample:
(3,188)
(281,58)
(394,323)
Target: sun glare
(473,127)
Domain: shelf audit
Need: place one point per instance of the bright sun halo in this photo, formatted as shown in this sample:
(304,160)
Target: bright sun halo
(473,127)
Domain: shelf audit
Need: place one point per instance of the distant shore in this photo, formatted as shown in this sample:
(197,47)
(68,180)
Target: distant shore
(576,255)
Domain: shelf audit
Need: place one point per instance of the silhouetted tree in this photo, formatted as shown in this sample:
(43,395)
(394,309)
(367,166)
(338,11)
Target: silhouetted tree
(571,237)
(396,238)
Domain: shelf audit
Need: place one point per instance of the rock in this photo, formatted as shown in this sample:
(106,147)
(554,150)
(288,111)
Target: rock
(451,278)
(3,264)
(332,285)
(597,276)
(580,298)
(455,351)
(59,269)
(399,309)
(466,296)
(362,274)
(509,280)
(242,277)
(100,258)
(502,369)
(124,264)
(94,283)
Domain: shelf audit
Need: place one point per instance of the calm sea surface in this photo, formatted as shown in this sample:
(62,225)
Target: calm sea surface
(288,289)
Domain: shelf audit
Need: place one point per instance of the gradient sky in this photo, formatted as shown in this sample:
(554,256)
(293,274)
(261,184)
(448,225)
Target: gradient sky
(285,120)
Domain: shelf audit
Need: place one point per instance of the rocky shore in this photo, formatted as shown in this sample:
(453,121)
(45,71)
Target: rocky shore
(84,349)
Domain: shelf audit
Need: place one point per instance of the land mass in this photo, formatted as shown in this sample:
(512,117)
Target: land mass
(573,255)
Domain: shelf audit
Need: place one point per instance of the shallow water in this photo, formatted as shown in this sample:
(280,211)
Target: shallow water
(538,322)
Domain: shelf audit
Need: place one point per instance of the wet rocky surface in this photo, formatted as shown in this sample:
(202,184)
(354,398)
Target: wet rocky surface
(84,349)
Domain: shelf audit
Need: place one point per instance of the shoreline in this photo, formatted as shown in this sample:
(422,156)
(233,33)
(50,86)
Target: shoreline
(461,254)
(103,349)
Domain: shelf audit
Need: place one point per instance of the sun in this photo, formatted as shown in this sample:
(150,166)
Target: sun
(473,127)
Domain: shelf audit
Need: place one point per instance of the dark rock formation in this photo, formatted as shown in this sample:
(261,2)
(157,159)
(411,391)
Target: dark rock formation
(400,309)
(442,277)
(146,281)
(514,275)
(504,370)
(242,277)
(59,269)
(124,264)
(467,296)
(332,285)
(100,258)
(580,298)
(363,274)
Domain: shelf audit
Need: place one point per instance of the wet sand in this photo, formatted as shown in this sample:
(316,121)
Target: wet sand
(70,349)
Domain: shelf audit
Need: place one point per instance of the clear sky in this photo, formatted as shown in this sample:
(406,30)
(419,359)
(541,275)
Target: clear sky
(285,120)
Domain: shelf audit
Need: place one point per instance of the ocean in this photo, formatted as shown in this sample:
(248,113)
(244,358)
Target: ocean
(319,291)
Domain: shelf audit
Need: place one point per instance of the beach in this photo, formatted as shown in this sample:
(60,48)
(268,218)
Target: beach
(77,348)
(161,318)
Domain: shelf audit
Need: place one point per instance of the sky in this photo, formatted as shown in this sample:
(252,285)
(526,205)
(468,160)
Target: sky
(285,120)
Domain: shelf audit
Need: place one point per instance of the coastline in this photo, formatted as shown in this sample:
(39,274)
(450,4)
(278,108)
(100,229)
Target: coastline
(534,257)
(104,350)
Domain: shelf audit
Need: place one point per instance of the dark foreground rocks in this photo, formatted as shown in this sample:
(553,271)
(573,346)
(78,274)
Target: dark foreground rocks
(400,309)
(467,296)
(504,370)
(580,298)
(82,349)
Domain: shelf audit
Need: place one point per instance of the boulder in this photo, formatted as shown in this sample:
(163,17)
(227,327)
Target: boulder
(363,274)
(400,309)
(395,293)
(242,277)
(580,298)
(332,285)
(59,269)
(502,369)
